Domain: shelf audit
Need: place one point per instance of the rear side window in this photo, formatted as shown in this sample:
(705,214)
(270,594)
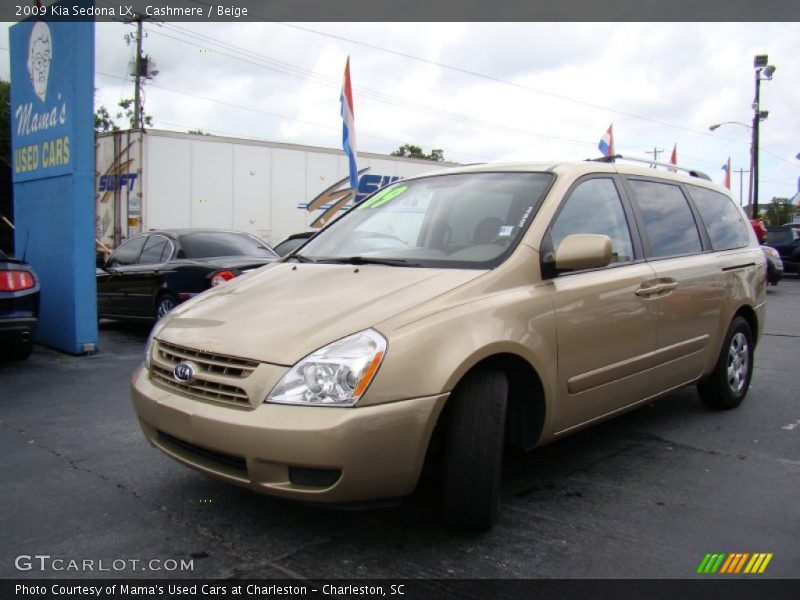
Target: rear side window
(127,253)
(668,220)
(779,236)
(724,224)
(211,244)
(156,250)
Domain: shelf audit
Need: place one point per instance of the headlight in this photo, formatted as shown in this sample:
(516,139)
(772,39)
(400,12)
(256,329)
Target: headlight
(771,251)
(335,375)
(148,349)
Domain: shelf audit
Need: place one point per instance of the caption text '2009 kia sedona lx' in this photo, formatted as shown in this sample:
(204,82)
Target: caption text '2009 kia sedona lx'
(484,306)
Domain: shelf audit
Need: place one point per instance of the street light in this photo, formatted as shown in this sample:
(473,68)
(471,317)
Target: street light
(763,71)
(718,125)
(761,116)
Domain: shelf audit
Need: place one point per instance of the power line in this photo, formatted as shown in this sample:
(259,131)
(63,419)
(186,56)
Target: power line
(301,73)
(506,82)
(292,70)
(277,115)
(324,80)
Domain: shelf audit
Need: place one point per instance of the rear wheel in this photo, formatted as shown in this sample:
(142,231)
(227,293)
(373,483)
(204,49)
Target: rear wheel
(473,449)
(20,350)
(727,385)
(165,303)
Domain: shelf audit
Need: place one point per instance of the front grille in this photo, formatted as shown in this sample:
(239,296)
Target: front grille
(200,388)
(217,376)
(218,364)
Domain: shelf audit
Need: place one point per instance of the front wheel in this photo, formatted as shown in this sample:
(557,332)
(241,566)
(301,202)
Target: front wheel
(727,385)
(474,441)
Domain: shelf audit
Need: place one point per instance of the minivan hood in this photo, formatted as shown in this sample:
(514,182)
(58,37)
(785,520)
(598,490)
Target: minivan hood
(285,311)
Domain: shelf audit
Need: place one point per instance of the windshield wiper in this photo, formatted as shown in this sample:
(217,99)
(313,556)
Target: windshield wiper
(365,260)
(301,258)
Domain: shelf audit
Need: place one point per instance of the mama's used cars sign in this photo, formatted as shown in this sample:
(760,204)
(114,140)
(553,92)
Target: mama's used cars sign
(42,111)
(52,143)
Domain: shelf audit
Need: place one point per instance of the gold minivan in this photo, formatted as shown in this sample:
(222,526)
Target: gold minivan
(484,307)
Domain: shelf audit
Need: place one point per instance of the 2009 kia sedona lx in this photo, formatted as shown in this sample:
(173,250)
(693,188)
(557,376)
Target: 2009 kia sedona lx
(488,305)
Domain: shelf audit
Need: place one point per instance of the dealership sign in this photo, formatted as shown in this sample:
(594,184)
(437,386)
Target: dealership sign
(42,120)
(340,195)
(52,144)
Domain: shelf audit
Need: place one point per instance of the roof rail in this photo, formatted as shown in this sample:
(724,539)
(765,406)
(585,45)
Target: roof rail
(614,157)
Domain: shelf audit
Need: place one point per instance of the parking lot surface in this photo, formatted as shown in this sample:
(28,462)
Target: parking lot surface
(646,495)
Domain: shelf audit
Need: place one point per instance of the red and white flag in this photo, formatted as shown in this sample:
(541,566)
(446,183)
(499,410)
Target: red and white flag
(727,168)
(606,144)
(349,127)
(673,160)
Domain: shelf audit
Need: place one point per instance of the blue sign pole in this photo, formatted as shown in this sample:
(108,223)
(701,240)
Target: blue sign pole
(52,142)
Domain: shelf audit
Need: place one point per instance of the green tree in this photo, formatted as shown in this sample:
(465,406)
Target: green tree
(779,211)
(104,122)
(412,151)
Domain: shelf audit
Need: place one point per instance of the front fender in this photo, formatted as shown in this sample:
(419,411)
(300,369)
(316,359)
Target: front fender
(430,356)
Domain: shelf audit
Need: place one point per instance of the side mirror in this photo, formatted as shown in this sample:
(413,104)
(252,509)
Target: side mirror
(583,251)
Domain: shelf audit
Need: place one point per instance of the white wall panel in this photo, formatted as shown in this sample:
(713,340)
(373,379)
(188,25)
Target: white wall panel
(252,192)
(167,194)
(212,185)
(289,188)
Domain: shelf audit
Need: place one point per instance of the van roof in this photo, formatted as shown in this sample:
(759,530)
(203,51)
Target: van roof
(578,169)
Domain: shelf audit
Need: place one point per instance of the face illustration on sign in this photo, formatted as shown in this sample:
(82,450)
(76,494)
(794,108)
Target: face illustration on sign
(40,55)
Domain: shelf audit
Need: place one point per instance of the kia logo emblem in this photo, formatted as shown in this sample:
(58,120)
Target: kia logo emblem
(184,372)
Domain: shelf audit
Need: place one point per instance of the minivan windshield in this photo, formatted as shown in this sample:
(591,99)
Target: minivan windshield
(467,220)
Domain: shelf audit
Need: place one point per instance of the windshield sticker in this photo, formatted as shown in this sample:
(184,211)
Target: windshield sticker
(505,231)
(525,217)
(383,197)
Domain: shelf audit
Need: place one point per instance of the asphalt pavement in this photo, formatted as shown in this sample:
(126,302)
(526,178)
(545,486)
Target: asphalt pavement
(646,495)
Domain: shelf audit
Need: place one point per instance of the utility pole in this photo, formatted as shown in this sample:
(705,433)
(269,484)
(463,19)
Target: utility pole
(137,95)
(142,67)
(655,152)
(741,173)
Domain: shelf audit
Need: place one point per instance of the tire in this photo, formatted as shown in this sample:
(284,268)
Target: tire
(727,385)
(19,351)
(473,449)
(164,303)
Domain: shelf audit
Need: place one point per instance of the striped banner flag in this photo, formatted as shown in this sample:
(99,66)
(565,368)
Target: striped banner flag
(606,144)
(727,168)
(349,126)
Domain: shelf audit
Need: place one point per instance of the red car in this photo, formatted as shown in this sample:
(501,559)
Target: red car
(760,229)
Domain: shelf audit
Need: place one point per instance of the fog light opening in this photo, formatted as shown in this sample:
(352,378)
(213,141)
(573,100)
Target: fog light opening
(314,477)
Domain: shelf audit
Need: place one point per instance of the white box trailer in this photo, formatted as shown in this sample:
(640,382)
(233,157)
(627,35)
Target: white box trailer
(152,179)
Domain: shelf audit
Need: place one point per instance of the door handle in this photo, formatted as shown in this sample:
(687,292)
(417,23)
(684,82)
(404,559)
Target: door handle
(667,286)
(648,291)
(659,287)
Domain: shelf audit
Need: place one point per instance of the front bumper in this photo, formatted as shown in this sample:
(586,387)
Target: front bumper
(378,450)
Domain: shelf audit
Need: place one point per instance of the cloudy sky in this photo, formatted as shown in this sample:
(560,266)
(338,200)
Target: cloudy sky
(482,92)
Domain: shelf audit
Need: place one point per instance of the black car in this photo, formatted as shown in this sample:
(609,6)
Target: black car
(774,265)
(293,242)
(150,273)
(786,240)
(19,307)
